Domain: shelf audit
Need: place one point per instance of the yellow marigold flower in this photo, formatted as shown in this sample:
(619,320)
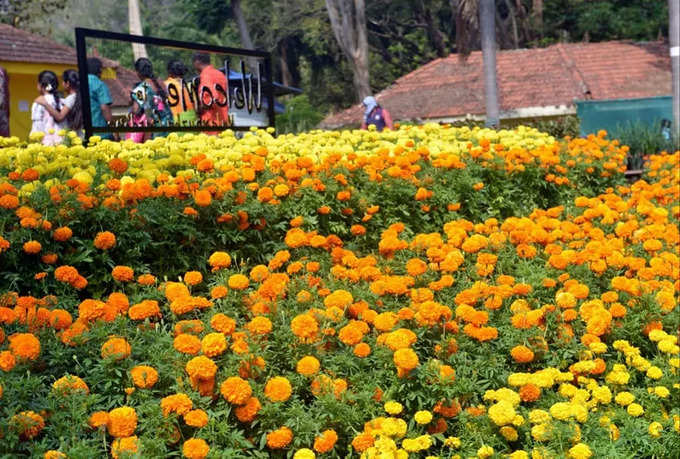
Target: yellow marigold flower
(502,413)
(635,410)
(70,384)
(654,372)
(580,451)
(304,453)
(393,407)
(423,417)
(485,451)
(452,442)
(655,429)
(624,398)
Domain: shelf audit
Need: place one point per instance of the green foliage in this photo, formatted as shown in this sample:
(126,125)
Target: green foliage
(300,115)
(643,139)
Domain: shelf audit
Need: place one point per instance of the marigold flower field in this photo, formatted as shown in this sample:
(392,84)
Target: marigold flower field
(425,292)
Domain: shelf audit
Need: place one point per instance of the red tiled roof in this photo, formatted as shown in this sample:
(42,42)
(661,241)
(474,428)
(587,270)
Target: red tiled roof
(17,45)
(552,76)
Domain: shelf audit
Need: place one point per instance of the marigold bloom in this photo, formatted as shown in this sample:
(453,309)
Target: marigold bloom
(62,234)
(177,403)
(196,418)
(248,411)
(123,274)
(122,422)
(236,391)
(70,384)
(195,448)
(308,366)
(213,344)
(259,325)
(144,310)
(279,438)
(187,344)
(193,278)
(7,360)
(32,247)
(522,354)
(325,441)
(405,359)
(28,424)
(278,389)
(144,376)
(117,349)
(124,446)
(219,260)
(24,346)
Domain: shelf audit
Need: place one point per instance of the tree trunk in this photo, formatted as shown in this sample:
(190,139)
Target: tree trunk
(242,25)
(488,34)
(135,21)
(286,77)
(537,13)
(512,14)
(348,21)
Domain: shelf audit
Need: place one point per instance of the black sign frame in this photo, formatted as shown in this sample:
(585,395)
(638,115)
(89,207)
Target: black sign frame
(83,33)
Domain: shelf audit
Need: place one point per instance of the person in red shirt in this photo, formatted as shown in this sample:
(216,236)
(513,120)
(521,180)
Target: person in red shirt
(376,115)
(213,103)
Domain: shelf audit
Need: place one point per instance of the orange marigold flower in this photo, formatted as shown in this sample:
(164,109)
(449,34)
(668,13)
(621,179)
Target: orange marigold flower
(279,438)
(144,310)
(177,403)
(238,282)
(305,327)
(117,349)
(339,299)
(522,354)
(529,392)
(196,418)
(278,389)
(219,260)
(222,323)
(62,234)
(187,344)
(28,424)
(69,384)
(248,411)
(122,422)
(260,325)
(362,350)
(24,346)
(32,247)
(203,198)
(308,365)
(193,278)
(123,274)
(118,165)
(363,441)
(146,279)
(195,448)
(213,344)
(326,441)
(144,376)
(236,390)
(405,359)
(219,291)
(201,368)
(124,447)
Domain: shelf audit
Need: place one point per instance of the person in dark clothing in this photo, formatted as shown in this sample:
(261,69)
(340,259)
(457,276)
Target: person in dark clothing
(376,115)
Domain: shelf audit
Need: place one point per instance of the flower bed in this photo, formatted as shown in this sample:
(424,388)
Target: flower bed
(429,291)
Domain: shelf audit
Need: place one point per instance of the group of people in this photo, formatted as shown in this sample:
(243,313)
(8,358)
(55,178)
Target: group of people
(152,103)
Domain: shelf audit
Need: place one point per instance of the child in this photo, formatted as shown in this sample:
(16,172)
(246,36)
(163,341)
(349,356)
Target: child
(40,117)
(70,114)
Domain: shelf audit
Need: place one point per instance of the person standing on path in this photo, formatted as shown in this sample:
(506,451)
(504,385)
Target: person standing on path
(376,115)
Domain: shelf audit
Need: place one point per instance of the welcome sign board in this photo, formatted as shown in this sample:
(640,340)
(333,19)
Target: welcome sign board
(235,92)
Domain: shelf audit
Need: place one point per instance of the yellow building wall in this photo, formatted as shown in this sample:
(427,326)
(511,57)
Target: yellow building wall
(23,78)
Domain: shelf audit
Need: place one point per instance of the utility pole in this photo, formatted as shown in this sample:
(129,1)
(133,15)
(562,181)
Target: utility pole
(135,21)
(487,21)
(674,39)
